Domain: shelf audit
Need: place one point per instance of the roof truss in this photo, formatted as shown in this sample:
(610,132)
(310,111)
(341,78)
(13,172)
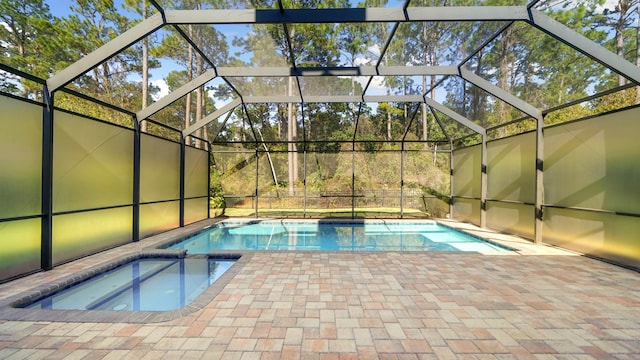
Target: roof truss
(353,15)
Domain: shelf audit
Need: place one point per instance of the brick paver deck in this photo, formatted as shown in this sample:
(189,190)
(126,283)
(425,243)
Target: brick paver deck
(319,305)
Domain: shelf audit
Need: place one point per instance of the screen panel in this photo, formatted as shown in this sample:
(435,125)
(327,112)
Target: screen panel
(426,184)
(511,168)
(277,195)
(196,172)
(466,210)
(20,243)
(159,217)
(605,235)
(159,169)
(92,163)
(329,186)
(467,164)
(20,158)
(236,178)
(238,170)
(195,210)
(513,218)
(84,233)
(594,163)
(377,179)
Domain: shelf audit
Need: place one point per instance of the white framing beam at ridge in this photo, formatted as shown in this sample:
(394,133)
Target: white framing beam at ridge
(284,71)
(347,15)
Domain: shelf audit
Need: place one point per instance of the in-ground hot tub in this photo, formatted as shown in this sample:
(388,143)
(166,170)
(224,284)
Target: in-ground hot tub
(147,287)
(147,284)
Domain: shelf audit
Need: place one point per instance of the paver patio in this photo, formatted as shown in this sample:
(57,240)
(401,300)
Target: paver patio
(326,305)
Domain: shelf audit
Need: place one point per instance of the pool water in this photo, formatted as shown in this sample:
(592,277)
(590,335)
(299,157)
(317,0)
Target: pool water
(333,236)
(156,284)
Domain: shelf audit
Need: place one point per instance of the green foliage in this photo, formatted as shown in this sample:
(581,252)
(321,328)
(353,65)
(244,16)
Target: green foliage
(216,193)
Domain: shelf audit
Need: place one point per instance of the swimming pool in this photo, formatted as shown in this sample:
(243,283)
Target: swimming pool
(147,284)
(322,235)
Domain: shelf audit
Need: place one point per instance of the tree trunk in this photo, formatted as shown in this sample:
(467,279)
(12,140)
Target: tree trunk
(200,92)
(505,61)
(425,56)
(623,7)
(187,107)
(145,67)
(389,122)
(291,146)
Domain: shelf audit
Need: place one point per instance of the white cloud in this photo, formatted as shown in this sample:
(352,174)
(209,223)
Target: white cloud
(362,61)
(608,4)
(374,49)
(164,89)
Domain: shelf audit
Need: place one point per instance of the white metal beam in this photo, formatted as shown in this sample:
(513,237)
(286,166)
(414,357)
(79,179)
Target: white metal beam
(349,15)
(585,45)
(284,71)
(106,51)
(455,116)
(209,118)
(501,94)
(175,95)
(283,99)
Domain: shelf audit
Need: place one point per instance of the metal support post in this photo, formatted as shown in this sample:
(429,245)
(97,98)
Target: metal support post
(255,195)
(136,181)
(483,183)
(353,181)
(304,181)
(402,181)
(182,165)
(46,246)
(451,179)
(539,223)
(208,179)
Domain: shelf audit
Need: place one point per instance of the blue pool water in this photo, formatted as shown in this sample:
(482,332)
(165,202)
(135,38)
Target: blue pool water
(333,236)
(141,285)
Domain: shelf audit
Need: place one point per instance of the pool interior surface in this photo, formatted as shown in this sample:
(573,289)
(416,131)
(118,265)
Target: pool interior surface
(333,236)
(153,284)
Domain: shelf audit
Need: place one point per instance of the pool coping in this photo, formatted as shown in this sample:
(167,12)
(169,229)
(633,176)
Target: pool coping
(9,311)
(10,307)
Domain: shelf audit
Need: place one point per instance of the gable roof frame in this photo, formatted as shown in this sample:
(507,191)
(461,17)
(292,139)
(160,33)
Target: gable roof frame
(284,16)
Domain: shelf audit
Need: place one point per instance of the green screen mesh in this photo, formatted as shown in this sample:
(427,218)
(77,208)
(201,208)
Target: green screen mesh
(511,175)
(84,233)
(20,241)
(467,210)
(511,168)
(92,163)
(590,164)
(159,169)
(604,235)
(196,172)
(20,158)
(467,164)
(512,218)
(195,209)
(159,217)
